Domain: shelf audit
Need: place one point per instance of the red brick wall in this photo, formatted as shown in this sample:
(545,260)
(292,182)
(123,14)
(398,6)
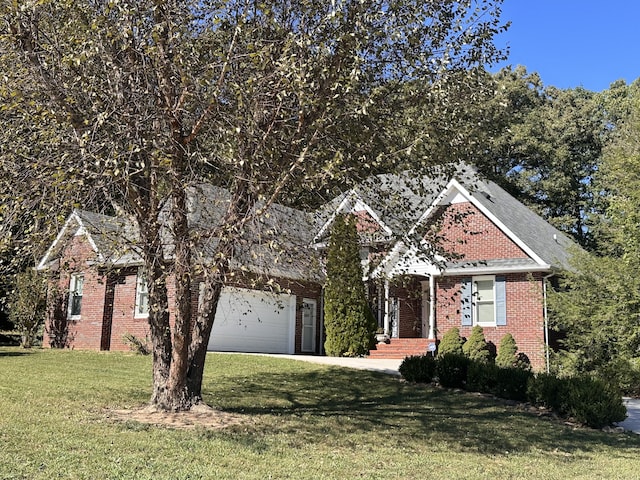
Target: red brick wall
(525,316)
(84,333)
(466,231)
(93,331)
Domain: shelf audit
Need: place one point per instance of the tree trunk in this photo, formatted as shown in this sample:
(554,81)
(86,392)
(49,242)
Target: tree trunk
(214,279)
(176,394)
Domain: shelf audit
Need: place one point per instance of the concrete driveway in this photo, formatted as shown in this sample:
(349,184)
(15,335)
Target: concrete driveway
(632,422)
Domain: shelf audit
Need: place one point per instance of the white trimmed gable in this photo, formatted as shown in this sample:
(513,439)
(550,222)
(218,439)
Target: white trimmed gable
(74,220)
(352,203)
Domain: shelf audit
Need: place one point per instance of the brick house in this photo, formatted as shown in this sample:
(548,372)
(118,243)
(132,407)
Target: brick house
(450,251)
(440,251)
(98,293)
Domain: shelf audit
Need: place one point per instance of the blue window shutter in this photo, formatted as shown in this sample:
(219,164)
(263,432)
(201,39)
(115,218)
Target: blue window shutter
(501,301)
(466,305)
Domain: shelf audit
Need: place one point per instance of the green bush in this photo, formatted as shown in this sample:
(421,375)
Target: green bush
(507,350)
(451,342)
(452,370)
(482,377)
(594,402)
(27,305)
(510,383)
(418,368)
(588,400)
(546,390)
(623,372)
(476,347)
(349,323)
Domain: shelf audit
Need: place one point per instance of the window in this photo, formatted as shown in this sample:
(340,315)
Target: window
(75,295)
(142,295)
(484,304)
(484,301)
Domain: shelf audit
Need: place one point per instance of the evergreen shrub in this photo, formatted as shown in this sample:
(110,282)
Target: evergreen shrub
(452,370)
(482,377)
(349,323)
(451,342)
(594,402)
(546,390)
(418,368)
(476,347)
(507,351)
(511,383)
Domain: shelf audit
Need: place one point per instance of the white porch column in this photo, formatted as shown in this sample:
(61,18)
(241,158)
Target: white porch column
(432,307)
(386,307)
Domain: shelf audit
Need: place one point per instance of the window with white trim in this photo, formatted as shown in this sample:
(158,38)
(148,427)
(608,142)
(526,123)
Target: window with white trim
(484,300)
(142,295)
(76,284)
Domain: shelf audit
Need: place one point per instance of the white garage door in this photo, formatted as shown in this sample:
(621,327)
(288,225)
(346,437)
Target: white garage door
(253,321)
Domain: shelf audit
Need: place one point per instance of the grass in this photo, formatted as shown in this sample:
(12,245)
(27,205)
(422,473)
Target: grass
(306,421)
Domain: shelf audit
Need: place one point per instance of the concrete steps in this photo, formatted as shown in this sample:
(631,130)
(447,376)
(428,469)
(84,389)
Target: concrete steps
(400,348)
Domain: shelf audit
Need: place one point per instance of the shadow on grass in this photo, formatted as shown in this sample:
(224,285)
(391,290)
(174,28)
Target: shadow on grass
(343,402)
(15,353)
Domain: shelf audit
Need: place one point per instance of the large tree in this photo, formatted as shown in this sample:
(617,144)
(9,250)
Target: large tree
(544,145)
(140,100)
(599,308)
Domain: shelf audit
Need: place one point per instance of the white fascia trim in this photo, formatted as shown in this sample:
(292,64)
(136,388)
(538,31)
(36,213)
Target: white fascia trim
(454,184)
(398,250)
(496,270)
(350,200)
(439,199)
(410,264)
(74,217)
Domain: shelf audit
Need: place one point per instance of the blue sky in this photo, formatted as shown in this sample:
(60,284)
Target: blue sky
(572,43)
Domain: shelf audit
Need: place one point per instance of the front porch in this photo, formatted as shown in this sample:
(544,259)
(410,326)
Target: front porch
(406,314)
(401,348)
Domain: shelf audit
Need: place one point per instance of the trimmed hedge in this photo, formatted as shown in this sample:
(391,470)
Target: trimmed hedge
(452,370)
(588,400)
(418,368)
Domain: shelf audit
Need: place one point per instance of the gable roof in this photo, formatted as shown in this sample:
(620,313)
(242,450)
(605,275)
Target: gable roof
(110,237)
(405,201)
(276,243)
(396,201)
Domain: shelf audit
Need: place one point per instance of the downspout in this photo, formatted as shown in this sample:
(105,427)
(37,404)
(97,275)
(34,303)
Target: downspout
(546,319)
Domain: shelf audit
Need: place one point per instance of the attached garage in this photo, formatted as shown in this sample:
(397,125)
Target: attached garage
(254,321)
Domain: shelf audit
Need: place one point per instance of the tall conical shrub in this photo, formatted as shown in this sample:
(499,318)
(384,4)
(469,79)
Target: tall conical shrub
(476,347)
(349,323)
(507,351)
(451,342)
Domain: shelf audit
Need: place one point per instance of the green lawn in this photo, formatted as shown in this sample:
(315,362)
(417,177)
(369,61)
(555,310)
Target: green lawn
(306,421)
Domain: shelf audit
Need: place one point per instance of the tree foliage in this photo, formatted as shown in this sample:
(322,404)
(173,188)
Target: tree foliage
(598,306)
(349,323)
(124,105)
(27,305)
(544,145)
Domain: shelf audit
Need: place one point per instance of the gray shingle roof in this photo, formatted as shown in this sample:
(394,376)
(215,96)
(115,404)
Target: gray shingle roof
(401,199)
(274,244)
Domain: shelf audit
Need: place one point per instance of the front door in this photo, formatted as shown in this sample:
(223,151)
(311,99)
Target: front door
(308,325)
